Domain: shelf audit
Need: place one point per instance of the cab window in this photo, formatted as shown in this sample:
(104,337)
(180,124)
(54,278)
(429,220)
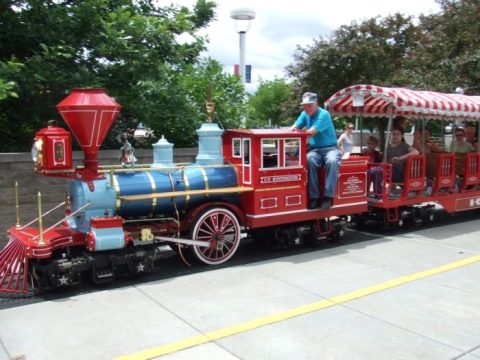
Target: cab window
(270,153)
(236,147)
(292,152)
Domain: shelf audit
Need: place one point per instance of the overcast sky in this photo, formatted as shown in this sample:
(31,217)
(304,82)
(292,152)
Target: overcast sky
(280,26)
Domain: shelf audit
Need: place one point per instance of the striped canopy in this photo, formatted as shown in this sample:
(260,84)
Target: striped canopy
(409,103)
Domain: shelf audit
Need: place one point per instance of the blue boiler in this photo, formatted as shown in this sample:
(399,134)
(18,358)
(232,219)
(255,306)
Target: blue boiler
(106,198)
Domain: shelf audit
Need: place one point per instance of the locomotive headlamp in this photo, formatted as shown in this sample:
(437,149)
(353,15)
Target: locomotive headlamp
(37,153)
(52,150)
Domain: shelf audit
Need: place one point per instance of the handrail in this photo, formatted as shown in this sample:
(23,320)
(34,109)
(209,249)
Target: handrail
(48,212)
(65,218)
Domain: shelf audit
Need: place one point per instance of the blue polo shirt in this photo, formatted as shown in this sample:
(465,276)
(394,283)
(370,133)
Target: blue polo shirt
(322,122)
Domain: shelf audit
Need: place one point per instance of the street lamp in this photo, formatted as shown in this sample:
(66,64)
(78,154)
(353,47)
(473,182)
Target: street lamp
(242,19)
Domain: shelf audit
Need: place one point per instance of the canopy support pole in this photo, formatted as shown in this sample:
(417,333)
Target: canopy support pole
(478,133)
(361,132)
(389,130)
(424,140)
(442,135)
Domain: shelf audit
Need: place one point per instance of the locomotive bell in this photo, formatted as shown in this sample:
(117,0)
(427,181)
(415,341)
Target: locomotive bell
(89,113)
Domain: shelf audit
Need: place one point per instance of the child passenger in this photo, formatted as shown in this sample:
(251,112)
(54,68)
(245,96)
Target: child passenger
(375,173)
(371,150)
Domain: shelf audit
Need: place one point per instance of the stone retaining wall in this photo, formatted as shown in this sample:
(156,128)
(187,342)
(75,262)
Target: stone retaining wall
(19,167)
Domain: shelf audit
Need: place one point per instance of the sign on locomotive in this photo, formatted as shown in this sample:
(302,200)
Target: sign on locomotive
(118,219)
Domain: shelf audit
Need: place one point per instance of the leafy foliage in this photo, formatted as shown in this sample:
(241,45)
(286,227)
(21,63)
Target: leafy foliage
(370,52)
(449,51)
(438,52)
(132,48)
(267,105)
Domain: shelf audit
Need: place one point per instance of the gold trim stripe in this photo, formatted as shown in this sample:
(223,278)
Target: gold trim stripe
(116,186)
(133,169)
(154,190)
(64,171)
(187,190)
(186,193)
(205,178)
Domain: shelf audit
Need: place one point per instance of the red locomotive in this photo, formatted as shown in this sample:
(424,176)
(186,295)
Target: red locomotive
(118,219)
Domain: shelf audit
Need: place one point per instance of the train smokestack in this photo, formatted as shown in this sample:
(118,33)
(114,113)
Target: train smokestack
(89,113)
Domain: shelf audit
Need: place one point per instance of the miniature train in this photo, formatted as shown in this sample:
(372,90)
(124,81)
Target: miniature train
(118,219)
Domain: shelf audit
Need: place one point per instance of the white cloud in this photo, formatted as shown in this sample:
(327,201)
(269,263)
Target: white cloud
(280,26)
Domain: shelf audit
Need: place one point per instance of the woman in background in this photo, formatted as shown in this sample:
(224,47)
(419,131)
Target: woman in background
(459,144)
(345,141)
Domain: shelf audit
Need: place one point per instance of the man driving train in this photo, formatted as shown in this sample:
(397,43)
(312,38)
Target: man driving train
(323,150)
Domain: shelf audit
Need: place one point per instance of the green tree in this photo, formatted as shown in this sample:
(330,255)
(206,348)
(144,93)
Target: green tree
(228,96)
(267,105)
(6,89)
(369,52)
(131,48)
(440,52)
(449,51)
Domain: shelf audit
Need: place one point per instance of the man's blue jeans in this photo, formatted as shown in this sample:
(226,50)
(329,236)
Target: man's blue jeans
(330,158)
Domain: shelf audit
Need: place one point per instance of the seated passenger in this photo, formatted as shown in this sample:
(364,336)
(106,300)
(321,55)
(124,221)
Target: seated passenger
(323,150)
(401,122)
(458,144)
(423,143)
(371,150)
(374,172)
(397,153)
(471,136)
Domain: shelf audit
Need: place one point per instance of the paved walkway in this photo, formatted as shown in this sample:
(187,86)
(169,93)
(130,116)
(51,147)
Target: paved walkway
(409,295)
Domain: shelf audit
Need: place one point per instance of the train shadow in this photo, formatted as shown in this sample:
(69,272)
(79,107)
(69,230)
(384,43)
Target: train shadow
(251,252)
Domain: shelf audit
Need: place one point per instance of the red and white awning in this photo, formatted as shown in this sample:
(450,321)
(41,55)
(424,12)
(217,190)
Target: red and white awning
(405,102)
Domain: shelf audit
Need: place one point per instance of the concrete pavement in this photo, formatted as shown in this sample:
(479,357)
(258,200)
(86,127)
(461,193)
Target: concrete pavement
(354,306)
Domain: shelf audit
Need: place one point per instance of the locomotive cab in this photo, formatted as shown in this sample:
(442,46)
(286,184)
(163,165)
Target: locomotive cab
(273,163)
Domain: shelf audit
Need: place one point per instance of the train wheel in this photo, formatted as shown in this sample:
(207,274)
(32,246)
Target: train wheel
(338,231)
(360,220)
(221,228)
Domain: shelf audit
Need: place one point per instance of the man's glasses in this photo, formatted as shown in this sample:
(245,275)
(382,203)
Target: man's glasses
(458,135)
(351,127)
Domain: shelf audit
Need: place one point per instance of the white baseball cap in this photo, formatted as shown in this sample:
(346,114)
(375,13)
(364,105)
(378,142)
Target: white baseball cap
(309,98)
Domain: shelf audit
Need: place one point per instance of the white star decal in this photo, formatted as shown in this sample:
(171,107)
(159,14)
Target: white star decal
(63,280)
(140,267)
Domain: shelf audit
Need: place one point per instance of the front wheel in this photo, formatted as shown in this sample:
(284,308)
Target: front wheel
(221,229)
